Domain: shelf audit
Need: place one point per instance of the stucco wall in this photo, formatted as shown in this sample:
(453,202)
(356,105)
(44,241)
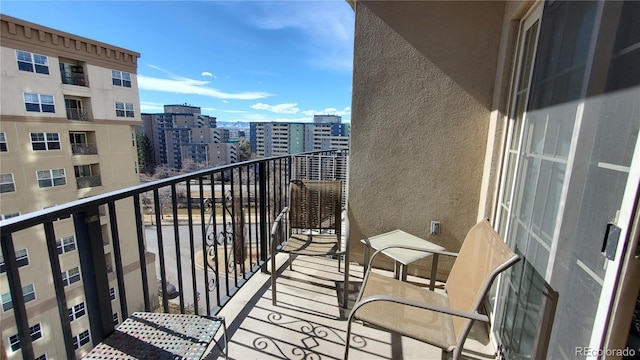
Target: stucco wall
(422,96)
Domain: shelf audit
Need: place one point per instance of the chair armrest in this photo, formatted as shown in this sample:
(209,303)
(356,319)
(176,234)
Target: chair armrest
(276,222)
(439,252)
(421,305)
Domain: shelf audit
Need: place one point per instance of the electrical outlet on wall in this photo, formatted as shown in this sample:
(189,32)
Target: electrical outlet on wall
(434,229)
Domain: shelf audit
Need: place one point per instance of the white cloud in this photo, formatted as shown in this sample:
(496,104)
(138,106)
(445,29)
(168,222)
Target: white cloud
(290,108)
(221,110)
(151,107)
(329,111)
(209,74)
(328,26)
(181,85)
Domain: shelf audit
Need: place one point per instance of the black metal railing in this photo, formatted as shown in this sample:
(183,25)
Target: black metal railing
(76,114)
(220,215)
(84,149)
(74,79)
(88,181)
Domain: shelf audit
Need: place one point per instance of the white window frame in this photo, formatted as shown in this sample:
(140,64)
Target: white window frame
(77,311)
(44,175)
(35,331)
(49,139)
(112,293)
(36,61)
(4,147)
(67,277)
(116,319)
(9,215)
(78,339)
(124,109)
(121,78)
(64,243)
(46,103)
(4,182)
(27,290)
(21,254)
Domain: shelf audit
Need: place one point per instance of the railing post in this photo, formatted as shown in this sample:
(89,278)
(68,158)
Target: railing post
(17,298)
(93,267)
(264,232)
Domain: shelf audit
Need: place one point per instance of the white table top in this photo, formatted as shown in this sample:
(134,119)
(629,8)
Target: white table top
(400,237)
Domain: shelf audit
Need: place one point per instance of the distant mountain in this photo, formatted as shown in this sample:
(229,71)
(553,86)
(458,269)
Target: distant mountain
(233,124)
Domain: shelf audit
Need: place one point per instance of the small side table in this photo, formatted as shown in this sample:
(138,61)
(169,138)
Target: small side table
(403,257)
(145,335)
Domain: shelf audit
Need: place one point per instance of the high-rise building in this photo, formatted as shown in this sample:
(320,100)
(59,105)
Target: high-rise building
(68,110)
(278,138)
(182,133)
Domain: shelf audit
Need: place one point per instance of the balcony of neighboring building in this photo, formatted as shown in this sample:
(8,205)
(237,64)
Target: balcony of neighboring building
(87,175)
(73,72)
(77,108)
(83,143)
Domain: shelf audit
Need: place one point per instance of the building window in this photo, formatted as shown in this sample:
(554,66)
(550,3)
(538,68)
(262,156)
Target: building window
(112,293)
(42,357)
(32,62)
(133,139)
(121,78)
(116,319)
(39,103)
(6,183)
(3,142)
(22,258)
(81,339)
(36,333)
(9,215)
(45,141)
(135,166)
(28,294)
(66,244)
(71,276)
(50,178)
(77,311)
(124,109)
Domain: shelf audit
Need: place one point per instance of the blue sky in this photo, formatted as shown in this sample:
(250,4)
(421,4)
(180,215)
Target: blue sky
(237,60)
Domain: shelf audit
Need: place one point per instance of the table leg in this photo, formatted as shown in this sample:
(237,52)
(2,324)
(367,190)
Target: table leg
(434,271)
(403,272)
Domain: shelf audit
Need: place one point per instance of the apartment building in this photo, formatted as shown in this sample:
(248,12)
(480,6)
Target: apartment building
(182,132)
(279,138)
(68,109)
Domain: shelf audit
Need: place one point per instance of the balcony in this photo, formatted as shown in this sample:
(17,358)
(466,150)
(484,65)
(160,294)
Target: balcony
(198,215)
(72,73)
(88,181)
(84,149)
(76,114)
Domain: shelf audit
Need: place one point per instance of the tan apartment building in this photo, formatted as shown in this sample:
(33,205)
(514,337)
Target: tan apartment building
(522,112)
(68,109)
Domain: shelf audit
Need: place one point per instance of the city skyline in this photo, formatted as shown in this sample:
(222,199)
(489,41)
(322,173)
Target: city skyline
(239,61)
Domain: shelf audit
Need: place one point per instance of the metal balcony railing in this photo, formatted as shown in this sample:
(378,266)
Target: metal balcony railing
(74,79)
(84,149)
(76,114)
(227,219)
(89,181)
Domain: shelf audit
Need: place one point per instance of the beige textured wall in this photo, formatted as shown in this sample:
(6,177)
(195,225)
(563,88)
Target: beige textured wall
(422,96)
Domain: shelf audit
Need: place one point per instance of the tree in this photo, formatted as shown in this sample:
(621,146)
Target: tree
(146,160)
(245,149)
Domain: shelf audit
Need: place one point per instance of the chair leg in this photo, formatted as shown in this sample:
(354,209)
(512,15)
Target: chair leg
(348,339)
(274,273)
